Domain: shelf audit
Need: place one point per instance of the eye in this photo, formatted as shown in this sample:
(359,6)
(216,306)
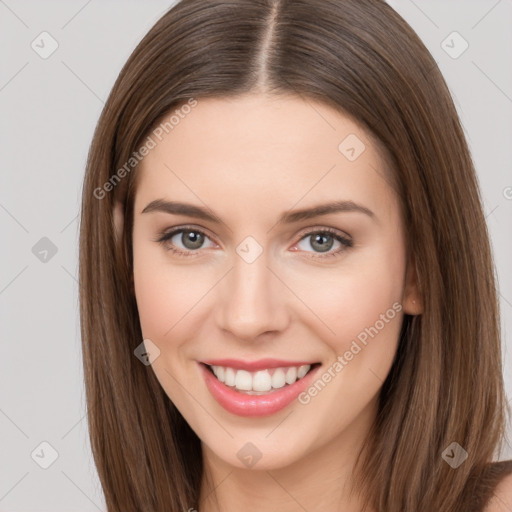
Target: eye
(322,241)
(184,241)
(187,241)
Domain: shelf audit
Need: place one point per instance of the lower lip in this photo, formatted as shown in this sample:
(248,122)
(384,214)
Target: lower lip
(255,405)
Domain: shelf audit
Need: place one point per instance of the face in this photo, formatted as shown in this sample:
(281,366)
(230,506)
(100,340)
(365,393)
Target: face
(237,282)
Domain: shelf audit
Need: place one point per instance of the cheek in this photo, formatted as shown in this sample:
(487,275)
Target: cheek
(154,302)
(367,319)
(352,297)
(168,297)
(164,292)
(363,309)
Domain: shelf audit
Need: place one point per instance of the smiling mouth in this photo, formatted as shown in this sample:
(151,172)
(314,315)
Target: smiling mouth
(261,382)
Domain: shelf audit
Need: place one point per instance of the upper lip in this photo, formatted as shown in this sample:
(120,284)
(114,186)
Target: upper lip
(252,366)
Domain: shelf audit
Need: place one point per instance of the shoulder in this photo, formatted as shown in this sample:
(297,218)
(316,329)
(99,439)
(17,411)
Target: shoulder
(501,496)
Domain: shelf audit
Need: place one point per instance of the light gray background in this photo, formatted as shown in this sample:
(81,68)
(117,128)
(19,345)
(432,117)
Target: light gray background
(49,110)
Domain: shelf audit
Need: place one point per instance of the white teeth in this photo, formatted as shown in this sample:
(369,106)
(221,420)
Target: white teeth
(303,370)
(262,380)
(229,375)
(219,372)
(243,380)
(291,375)
(278,380)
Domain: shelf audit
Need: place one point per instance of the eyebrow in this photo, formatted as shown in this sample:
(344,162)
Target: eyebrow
(289,217)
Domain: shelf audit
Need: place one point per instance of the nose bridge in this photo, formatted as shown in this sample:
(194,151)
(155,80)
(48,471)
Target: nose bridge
(251,304)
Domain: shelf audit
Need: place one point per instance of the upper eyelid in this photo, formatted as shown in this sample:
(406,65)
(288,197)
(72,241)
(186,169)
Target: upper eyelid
(330,230)
(169,233)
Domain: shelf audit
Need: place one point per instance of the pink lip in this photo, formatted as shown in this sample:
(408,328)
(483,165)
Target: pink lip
(254,366)
(241,404)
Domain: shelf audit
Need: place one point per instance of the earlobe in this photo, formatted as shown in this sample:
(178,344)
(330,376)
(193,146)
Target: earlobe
(412,302)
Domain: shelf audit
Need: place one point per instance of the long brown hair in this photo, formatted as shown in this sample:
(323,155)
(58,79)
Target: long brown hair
(361,58)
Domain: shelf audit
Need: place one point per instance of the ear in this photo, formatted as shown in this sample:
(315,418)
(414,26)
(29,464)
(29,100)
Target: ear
(411,302)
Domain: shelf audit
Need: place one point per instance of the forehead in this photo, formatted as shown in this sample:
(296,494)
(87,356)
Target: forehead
(258,151)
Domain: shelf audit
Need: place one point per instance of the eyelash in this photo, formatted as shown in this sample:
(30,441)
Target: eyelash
(164,237)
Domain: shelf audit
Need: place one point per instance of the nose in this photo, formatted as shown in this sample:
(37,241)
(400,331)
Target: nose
(252,300)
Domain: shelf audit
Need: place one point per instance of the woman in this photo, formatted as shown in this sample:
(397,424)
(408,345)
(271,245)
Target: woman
(287,292)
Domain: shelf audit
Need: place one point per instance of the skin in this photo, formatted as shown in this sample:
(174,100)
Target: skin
(501,499)
(249,159)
